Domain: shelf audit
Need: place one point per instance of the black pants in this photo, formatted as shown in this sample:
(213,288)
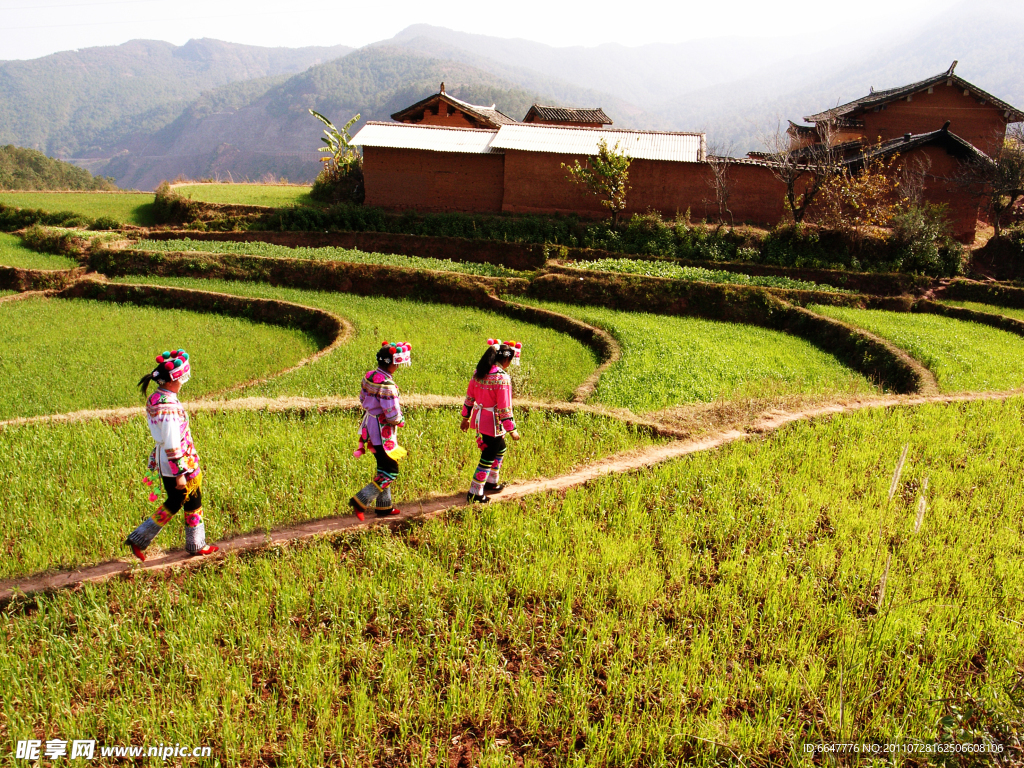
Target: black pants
(176,497)
(384,462)
(492,447)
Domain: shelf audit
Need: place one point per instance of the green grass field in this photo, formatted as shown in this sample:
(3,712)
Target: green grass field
(667,361)
(66,355)
(327,254)
(675,271)
(74,491)
(273,195)
(1016,314)
(126,207)
(722,609)
(447,342)
(962,355)
(14,253)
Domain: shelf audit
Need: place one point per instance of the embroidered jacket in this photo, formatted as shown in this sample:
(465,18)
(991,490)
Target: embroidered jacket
(488,403)
(175,453)
(381,400)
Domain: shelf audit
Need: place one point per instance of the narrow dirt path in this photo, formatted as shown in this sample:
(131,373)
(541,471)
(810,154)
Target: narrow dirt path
(767,423)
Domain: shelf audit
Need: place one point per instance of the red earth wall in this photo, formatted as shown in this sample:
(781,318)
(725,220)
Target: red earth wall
(941,188)
(535,182)
(413,179)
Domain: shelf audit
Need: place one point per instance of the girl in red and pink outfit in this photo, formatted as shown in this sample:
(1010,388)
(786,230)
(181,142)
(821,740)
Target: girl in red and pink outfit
(488,409)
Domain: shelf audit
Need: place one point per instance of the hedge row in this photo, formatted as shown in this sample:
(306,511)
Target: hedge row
(984,293)
(15,279)
(341,277)
(1001,322)
(521,256)
(531,256)
(787,245)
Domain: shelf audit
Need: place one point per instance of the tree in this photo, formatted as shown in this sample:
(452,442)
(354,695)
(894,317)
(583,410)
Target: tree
(339,143)
(606,175)
(341,179)
(863,192)
(721,183)
(804,170)
(999,180)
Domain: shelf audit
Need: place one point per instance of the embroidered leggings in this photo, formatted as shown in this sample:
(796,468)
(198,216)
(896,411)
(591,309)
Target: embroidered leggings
(195,529)
(491,457)
(378,493)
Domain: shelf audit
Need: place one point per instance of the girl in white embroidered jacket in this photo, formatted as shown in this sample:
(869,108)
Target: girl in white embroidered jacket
(174,458)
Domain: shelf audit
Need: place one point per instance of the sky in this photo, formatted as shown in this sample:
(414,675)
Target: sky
(33,28)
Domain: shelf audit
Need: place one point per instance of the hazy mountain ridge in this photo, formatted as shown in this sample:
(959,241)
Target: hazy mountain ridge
(82,103)
(210,108)
(273,133)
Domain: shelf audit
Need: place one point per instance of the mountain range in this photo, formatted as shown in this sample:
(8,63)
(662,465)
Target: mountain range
(147,110)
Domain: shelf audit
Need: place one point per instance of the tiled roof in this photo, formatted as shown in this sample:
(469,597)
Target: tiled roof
(877,98)
(491,116)
(436,138)
(568,115)
(640,145)
(491,113)
(952,143)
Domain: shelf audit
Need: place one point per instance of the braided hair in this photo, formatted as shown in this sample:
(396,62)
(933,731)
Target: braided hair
(491,358)
(159,375)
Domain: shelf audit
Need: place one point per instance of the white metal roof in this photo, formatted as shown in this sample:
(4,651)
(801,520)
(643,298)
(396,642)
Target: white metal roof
(641,145)
(528,137)
(435,138)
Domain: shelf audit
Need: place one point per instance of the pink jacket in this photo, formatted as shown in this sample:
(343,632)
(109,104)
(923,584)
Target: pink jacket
(488,403)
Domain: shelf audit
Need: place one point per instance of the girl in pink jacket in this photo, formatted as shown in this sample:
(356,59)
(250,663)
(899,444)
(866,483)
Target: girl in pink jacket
(488,409)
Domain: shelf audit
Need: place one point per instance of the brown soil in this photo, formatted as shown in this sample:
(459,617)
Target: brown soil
(627,461)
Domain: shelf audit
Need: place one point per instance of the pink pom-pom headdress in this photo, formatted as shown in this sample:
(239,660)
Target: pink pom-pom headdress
(399,352)
(515,346)
(173,366)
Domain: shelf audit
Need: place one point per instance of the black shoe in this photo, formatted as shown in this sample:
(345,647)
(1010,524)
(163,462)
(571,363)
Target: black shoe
(494,487)
(472,498)
(387,512)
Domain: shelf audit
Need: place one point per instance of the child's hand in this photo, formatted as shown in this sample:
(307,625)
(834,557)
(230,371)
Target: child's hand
(515,435)
(464,425)
(180,483)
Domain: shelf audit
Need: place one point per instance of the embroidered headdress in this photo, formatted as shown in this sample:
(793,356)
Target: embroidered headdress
(172,366)
(395,352)
(515,349)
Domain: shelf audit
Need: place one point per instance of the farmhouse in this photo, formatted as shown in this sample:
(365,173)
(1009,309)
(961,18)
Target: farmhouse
(444,154)
(977,117)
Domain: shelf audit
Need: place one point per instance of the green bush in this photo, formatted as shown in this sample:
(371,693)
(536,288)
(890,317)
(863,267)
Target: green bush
(339,184)
(924,244)
(13,219)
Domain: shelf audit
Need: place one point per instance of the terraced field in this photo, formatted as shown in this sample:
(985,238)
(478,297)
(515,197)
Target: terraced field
(447,342)
(850,579)
(667,361)
(720,608)
(125,207)
(676,271)
(80,485)
(326,254)
(66,355)
(13,253)
(1016,314)
(962,355)
(273,195)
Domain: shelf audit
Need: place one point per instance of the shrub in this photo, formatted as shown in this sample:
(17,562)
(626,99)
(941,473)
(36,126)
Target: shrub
(923,243)
(339,184)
